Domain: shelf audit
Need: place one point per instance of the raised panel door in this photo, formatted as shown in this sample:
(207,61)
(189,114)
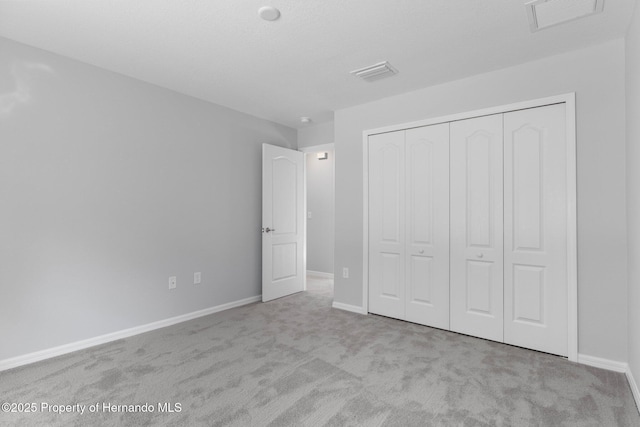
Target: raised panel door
(476,227)
(535,221)
(386,224)
(427,225)
(282,222)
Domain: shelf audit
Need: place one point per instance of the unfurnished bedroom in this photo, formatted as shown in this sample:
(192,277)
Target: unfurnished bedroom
(319,213)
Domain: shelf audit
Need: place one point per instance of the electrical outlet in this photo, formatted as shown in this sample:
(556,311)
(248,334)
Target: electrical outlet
(173,282)
(197,278)
(345,273)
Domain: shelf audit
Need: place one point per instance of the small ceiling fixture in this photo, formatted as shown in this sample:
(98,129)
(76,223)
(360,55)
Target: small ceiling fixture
(305,120)
(269,13)
(375,72)
(547,13)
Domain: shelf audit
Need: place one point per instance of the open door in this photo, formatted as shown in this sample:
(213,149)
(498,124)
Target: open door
(283,267)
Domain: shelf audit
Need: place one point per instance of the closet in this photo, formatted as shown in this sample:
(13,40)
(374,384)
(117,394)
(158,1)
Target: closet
(467,226)
(409,225)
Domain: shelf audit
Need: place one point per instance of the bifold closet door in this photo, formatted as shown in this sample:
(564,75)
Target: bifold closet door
(409,225)
(535,227)
(427,225)
(468,227)
(386,224)
(477,227)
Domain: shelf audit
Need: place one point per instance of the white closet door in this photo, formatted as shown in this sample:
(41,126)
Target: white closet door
(476,227)
(427,225)
(535,300)
(386,224)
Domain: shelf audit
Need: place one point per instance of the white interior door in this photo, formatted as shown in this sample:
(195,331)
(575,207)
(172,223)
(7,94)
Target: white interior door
(535,226)
(386,220)
(427,225)
(477,227)
(282,222)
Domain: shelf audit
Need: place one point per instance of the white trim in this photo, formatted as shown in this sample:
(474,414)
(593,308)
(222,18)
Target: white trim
(569,100)
(612,365)
(365,223)
(556,99)
(349,307)
(304,216)
(572,228)
(320,274)
(598,362)
(37,356)
(634,387)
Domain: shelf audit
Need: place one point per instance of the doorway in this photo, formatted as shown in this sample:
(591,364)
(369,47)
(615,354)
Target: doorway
(319,218)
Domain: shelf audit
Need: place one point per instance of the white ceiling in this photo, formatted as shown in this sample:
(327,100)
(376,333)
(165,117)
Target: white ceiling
(222,52)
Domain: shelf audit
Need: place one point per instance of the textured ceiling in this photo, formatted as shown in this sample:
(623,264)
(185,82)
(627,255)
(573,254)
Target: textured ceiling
(222,52)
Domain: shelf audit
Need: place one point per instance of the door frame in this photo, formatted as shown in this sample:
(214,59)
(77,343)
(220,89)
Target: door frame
(569,99)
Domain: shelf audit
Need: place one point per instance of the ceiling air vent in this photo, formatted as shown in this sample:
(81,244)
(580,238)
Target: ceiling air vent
(547,13)
(375,72)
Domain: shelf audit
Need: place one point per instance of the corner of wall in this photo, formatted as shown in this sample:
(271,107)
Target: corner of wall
(316,134)
(632,155)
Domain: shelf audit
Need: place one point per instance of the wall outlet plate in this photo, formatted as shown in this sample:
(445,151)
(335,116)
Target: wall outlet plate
(197,278)
(173,282)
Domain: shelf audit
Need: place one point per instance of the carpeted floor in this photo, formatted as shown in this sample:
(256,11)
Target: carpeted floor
(296,361)
(320,285)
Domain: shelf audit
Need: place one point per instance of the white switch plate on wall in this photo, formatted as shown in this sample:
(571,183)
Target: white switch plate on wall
(345,273)
(173,282)
(197,278)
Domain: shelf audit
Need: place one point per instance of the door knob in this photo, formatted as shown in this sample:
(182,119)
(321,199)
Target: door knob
(480,255)
(269,229)
(421,251)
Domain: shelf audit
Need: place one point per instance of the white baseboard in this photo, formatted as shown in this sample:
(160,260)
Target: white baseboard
(320,274)
(348,307)
(634,387)
(598,362)
(612,365)
(14,362)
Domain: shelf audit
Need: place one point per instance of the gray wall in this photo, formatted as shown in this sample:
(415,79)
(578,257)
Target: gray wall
(320,202)
(597,75)
(318,134)
(633,189)
(108,187)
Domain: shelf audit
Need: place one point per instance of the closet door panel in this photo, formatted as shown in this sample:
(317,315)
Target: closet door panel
(535,229)
(477,227)
(427,225)
(386,224)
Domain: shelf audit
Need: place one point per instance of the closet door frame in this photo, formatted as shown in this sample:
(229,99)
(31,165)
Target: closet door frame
(569,99)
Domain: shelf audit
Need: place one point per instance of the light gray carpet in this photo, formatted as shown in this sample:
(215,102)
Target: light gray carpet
(296,361)
(320,285)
